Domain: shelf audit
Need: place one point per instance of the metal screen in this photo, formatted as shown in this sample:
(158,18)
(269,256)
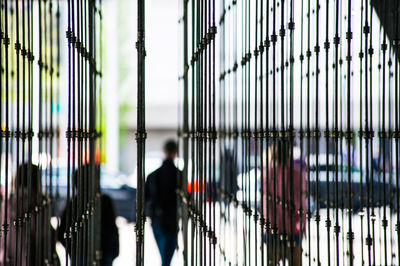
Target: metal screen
(49,110)
(280,91)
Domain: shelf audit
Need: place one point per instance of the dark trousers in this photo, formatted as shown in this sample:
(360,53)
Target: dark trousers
(166,243)
(106,261)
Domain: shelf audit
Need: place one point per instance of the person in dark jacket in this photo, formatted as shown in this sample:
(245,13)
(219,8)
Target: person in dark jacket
(161,203)
(109,232)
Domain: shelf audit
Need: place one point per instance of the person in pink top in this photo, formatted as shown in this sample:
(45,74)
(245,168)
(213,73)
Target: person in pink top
(15,251)
(286,223)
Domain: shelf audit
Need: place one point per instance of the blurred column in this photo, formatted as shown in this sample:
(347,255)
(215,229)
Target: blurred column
(110,79)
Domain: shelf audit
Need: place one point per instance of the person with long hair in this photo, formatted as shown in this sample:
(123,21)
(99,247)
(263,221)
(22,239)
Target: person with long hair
(287,221)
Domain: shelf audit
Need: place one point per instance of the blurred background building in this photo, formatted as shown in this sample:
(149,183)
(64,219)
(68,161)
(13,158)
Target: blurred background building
(162,88)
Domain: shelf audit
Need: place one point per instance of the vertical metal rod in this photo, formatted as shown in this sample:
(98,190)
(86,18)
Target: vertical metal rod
(349,34)
(141,134)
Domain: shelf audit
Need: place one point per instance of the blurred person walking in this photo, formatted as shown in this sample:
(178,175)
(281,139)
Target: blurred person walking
(28,185)
(161,203)
(109,241)
(279,180)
